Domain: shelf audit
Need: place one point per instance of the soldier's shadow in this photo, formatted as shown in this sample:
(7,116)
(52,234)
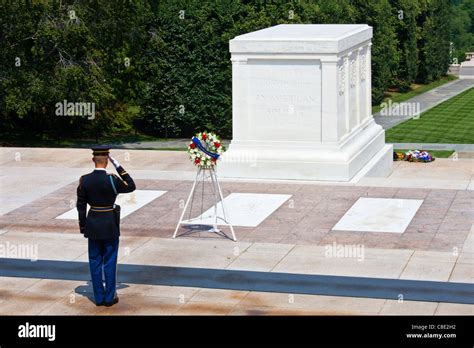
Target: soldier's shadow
(87,292)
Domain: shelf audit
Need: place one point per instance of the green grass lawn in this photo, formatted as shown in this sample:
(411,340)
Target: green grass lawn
(416,89)
(451,122)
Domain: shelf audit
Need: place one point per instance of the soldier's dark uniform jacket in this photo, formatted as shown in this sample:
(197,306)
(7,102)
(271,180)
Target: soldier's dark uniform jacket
(100,189)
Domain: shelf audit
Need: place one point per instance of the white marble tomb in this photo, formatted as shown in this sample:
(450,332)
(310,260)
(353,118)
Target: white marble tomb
(302,105)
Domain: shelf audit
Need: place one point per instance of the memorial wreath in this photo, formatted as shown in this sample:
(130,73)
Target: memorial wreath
(205,149)
(413,156)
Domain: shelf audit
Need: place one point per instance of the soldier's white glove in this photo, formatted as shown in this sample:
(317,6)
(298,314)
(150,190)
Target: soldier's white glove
(114,162)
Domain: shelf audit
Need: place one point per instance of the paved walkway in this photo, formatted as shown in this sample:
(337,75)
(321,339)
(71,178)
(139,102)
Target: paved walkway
(248,280)
(437,245)
(186,284)
(442,222)
(426,101)
(29,296)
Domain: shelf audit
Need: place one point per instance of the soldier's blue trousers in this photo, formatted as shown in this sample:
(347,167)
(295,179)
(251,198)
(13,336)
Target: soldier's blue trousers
(103,255)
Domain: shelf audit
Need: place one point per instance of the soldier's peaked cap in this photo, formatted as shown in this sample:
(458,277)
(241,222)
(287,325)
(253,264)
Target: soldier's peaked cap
(100,150)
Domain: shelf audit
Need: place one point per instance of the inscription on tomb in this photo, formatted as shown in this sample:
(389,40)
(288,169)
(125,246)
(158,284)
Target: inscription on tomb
(282,97)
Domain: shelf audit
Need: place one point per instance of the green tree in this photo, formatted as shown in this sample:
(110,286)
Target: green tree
(406,12)
(57,51)
(462,29)
(164,66)
(433,39)
(385,56)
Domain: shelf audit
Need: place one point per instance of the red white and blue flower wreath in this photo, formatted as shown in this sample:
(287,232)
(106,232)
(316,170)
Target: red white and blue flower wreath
(413,156)
(205,149)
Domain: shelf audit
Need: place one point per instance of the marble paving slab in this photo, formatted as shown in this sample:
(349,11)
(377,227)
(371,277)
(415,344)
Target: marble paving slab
(379,215)
(129,202)
(243,209)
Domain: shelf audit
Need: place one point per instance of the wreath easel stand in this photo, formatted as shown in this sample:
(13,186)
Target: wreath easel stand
(206,174)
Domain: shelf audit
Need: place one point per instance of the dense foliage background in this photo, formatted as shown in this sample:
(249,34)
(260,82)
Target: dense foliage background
(163,68)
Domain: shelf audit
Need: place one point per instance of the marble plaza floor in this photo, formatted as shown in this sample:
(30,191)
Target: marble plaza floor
(417,228)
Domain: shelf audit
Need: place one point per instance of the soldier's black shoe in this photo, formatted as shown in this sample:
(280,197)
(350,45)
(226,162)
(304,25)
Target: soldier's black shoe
(110,304)
(100,304)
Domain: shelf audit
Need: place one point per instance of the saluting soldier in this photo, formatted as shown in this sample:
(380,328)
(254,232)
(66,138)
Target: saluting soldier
(101,225)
